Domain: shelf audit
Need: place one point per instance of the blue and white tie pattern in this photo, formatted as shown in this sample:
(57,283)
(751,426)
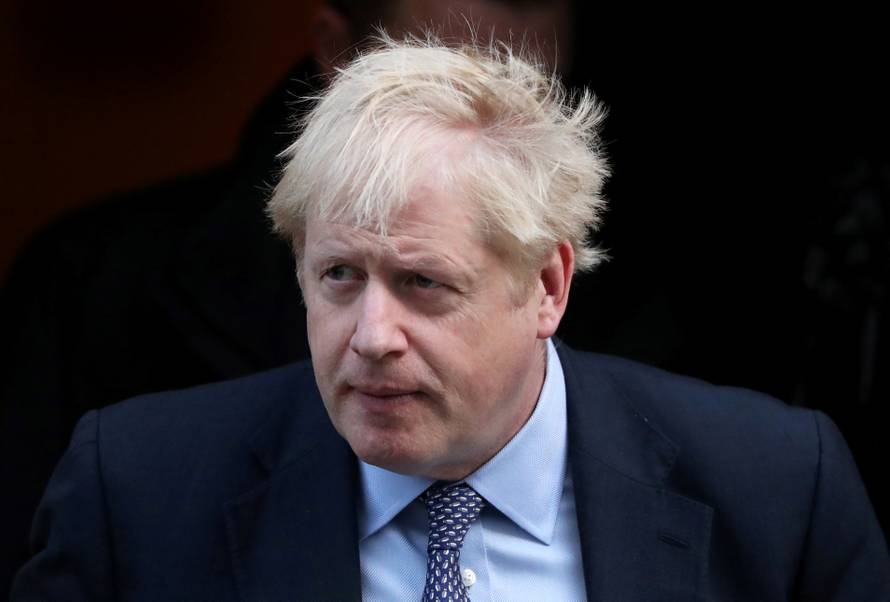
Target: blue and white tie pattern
(451,508)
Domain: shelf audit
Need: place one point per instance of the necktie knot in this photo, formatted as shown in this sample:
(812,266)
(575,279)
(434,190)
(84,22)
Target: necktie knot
(451,509)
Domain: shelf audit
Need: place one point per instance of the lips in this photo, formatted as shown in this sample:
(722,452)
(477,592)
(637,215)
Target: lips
(380,398)
(383,391)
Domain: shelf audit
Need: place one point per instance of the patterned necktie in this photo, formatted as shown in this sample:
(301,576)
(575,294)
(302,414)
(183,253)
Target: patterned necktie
(451,508)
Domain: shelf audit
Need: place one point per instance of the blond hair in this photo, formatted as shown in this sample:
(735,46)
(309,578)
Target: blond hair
(533,162)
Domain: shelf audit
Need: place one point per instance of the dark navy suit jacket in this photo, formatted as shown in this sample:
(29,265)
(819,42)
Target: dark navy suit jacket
(243,491)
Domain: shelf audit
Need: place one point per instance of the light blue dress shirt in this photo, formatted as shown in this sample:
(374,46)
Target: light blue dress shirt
(525,544)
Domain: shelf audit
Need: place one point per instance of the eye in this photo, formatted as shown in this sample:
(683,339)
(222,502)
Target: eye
(424,282)
(341,273)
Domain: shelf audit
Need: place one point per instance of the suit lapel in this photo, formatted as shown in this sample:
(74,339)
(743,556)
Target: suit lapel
(294,536)
(639,541)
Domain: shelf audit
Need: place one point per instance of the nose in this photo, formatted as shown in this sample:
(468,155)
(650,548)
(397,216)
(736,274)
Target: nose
(379,325)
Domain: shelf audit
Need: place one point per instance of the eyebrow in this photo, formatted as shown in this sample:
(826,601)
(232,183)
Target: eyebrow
(332,252)
(398,255)
(441,267)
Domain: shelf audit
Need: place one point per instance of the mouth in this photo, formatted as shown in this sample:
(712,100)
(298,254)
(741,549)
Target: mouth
(379,399)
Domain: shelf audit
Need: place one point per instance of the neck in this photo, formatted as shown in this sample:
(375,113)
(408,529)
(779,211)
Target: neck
(530,391)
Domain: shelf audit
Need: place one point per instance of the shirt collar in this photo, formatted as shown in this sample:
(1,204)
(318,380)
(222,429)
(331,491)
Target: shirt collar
(524,480)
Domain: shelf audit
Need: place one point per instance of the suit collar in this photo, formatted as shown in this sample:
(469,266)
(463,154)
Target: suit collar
(294,534)
(639,541)
(607,428)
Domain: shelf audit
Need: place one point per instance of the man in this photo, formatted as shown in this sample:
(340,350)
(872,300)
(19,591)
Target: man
(146,292)
(439,202)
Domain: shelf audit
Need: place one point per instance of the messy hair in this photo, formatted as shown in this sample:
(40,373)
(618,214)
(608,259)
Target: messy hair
(532,161)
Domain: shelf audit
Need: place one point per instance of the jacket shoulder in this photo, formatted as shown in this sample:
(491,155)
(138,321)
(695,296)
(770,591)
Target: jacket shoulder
(161,427)
(691,411)
(785,491)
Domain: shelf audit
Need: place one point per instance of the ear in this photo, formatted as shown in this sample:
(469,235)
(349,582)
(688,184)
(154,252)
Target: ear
(555,280)
(331,38)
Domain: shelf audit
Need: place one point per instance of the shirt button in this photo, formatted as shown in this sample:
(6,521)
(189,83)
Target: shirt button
(468,577)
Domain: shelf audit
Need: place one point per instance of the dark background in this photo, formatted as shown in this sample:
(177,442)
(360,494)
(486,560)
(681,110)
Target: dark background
(99,97)
(749,207)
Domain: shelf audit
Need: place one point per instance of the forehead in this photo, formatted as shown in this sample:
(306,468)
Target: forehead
(437,221)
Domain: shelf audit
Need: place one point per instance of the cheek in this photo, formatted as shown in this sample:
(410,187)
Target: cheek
(490,352)
(506,345)
(315,329)
(328,334)
(504,331)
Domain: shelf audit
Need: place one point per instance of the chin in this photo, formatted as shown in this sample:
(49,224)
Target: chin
(386,451)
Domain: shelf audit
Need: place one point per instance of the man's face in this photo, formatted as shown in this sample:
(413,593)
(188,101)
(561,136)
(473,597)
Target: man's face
(425,361)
